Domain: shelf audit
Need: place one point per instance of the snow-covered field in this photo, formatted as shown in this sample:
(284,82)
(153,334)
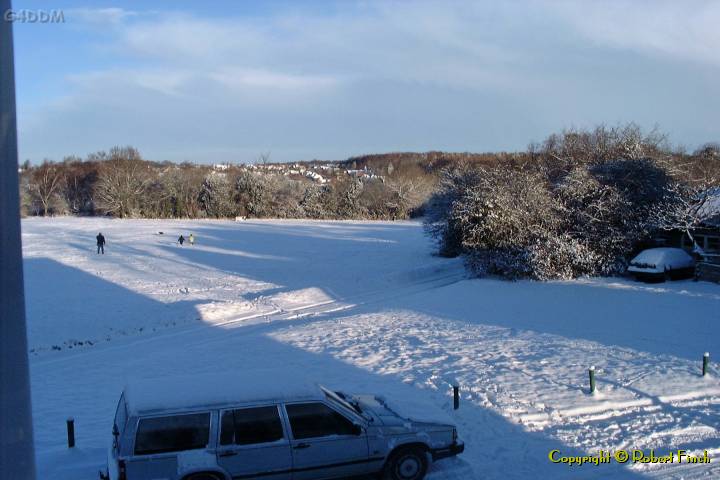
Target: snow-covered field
(365,305)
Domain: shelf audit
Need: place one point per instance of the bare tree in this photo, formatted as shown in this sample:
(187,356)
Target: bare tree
(183,185)
(124,179)
(407,194)
(45,184)
(286,196)
(79,184)
(689,199)
(560,153)
(684,208)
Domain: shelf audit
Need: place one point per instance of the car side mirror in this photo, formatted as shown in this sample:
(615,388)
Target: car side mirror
(357,429)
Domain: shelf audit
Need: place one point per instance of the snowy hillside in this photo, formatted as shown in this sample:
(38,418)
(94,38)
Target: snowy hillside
(365,305)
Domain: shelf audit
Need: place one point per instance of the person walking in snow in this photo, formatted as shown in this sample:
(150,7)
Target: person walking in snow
(191,239)
(100,243)
(181,239)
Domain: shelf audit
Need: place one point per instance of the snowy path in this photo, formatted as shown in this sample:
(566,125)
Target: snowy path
(366,305)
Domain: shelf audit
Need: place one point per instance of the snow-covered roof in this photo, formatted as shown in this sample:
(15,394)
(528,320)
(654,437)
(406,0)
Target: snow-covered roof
(217,389)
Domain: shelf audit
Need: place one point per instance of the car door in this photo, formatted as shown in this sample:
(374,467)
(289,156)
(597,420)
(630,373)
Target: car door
(253,444)
(325,443)
(161,439)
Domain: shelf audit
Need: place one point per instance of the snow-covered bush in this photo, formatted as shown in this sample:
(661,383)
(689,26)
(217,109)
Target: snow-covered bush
(440,222)
(254,192)
(313,201)
(520,221)
(600,224)
(348,202)
(216,196)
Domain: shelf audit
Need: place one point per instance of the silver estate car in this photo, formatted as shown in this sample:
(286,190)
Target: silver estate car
(264,429)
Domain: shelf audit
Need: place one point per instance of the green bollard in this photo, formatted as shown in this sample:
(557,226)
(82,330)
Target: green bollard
(706,362)
(592,379)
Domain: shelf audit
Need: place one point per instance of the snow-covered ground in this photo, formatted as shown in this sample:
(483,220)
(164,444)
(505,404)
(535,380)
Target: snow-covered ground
(365,306)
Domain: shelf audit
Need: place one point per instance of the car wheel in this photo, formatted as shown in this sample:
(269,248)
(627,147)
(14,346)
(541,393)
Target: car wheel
(406,464)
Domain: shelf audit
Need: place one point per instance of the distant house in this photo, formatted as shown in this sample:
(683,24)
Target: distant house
(707,239)
(707,234)
(316,176)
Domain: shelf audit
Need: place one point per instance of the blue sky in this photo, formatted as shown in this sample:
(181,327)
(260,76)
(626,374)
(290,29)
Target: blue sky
(229,80)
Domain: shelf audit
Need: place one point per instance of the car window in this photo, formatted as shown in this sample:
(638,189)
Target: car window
(247,426)
(310,420)
(172,433)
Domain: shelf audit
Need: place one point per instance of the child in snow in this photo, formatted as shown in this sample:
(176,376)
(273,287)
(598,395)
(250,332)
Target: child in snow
(100,243)
(181,239)
(191,239)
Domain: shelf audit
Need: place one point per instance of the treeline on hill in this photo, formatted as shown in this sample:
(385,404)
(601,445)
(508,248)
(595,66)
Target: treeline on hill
(578,204)
(120,183)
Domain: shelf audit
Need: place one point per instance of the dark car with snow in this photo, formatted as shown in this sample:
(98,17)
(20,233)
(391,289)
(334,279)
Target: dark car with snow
(660,264)
(233,428)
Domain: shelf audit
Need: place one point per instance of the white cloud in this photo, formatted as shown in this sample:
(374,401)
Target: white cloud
(111,16)
(101,83)
(182,38)
(383,76)
(235,77)
(682,30)
(406,43)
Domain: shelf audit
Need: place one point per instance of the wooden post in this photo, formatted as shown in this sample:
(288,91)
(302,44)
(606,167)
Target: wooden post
(706,363)
(456,396)
(71,432)
(592,379)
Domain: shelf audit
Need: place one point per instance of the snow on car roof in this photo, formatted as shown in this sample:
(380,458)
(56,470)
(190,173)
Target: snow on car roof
(180,392)
(662,254)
